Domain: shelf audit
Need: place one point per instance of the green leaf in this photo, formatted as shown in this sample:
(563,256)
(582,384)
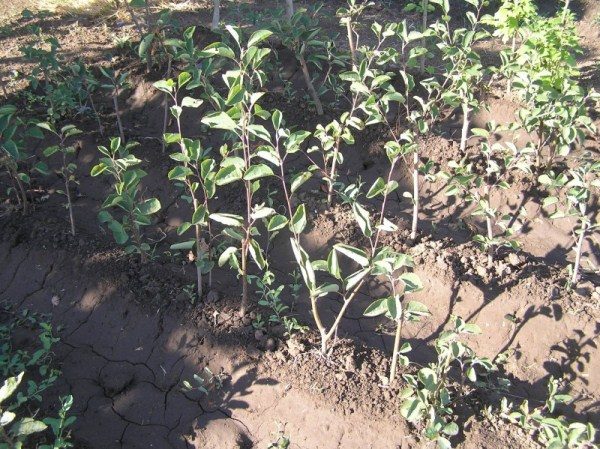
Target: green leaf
(189,102)
(227,175)
(258,171)
(257,254)
(300,179)
(333,266)
(145,45)
(417,308)
(219,120)
(51,150)
(376,308)
(412,409)
(378,188)
(428,378)
(261,211)
(298,222)
(276,223)
(480,132)
(363,219)
(412,283)
(199,215)
(46,126)
(27,426)
(226,255)
(164,86)
(179,173)
(358,255)
(118,231)
(9,386)
(183,79)
(189,244)
(471,374)
(260,132)
(6,418)
(276,119)
(258,36)
(149,207)
(228,219)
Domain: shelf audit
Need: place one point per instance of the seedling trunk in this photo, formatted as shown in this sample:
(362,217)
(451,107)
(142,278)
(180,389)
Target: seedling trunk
(310,86)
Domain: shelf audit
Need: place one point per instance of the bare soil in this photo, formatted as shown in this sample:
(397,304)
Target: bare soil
(130,336)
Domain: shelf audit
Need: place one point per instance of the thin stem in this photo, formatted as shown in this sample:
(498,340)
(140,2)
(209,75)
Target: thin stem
(415,196)
(396,351)
(289,8)
(216,18)
(309,85)
(68,191)
(332,174)
(513,47)
(137,237)
(15,188)
(425,5)
(21,190)
(93,105)
(465,126)
(489,226)
(579,247)
(118,113)
(199,254)
(136,22)
(65,174)
(248,225)
(351,41)
(565,11)
(166,108)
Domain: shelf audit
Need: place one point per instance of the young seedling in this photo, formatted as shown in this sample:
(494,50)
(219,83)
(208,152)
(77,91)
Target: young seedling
(560,119)
(154,42)
(501,160)
(196,172)
(27,375)
(43,53)
(424,7)
(379,97)
(13,155)
(555,105)
(89,85)
(511,22)
(119,163)
(574,189)
(300,34)
(270,296)
(395,307)
(364,81)
(551,431)
(428,396)
(365,262)
(239,163)
(68,165)
(59,425)
(463,70)
(116,83)
(348,18)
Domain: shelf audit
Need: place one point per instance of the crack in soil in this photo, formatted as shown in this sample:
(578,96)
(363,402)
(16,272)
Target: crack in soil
(102,356)
(17,268)
(42,286)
